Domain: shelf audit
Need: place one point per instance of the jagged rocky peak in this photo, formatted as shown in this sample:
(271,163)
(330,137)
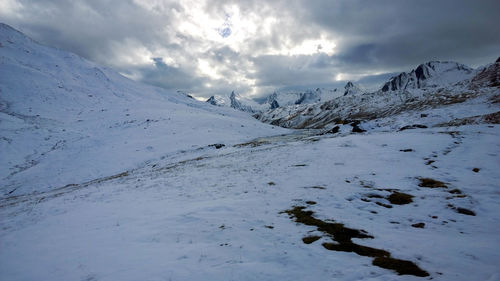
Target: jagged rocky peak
(211,100)
(352,89)
(236,104)
(274,104)
(430,74)
(272,100)
(234,101)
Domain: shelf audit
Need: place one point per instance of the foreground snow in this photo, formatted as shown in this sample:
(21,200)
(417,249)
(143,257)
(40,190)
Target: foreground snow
(216,214)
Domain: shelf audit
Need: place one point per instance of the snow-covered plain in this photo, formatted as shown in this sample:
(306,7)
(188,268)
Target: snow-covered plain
(216,214)
(120,199)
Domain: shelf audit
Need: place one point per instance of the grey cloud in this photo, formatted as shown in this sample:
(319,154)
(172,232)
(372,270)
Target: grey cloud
(169,77)
(371,36)
(280,71)
(398,34)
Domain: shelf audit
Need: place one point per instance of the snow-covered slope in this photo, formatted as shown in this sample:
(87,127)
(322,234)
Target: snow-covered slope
(430,85)
(64,120)
(353,89)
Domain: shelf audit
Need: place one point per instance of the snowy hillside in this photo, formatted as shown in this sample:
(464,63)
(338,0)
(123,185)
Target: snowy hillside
(65,120)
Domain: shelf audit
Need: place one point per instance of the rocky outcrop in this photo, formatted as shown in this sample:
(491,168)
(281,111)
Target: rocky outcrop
(352,89)
(236,104)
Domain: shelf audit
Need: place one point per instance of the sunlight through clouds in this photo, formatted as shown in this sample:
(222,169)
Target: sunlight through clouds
(255,47)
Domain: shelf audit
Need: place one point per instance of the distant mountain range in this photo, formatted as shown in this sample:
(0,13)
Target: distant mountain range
(276,99)
(430,85)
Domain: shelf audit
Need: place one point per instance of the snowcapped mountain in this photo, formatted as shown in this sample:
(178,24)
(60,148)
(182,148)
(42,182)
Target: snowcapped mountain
(64,119)
(237,102)
(275,100)
(353,89)
(430,85)
(429,75)
(218,100)
(286,98)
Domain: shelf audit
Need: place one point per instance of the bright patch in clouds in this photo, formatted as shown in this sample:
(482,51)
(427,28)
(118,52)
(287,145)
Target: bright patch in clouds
(207,47)
(206,69)
(307,47)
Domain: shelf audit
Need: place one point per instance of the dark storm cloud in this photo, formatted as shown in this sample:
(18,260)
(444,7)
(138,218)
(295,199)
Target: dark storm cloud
(371,38)
(88,27)
(281,71)
(169,77)
(397,34)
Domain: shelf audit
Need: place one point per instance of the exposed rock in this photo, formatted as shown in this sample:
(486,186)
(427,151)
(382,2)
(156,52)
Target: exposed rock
(416,79)
(217,145)
(274,104)
(352,89)
(357,129)
(418,225)
(415,126)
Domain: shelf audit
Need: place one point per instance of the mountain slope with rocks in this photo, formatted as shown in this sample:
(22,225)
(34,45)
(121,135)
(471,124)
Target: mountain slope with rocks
(431,85)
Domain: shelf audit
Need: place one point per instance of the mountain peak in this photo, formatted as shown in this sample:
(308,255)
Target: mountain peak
(352,89)
(429,74)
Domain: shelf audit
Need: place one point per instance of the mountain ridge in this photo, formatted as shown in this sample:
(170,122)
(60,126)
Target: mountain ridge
(432,84)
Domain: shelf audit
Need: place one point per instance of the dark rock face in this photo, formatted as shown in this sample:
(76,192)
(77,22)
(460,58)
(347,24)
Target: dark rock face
(415,78)
(334,130)
(217,145)
(347,87)
(234,102)
(396,83)
(489,76)
(357,129)
(415,126)
(498,60)
(352,89)
(238,105)
(301,99)
(211,100)
(274,104)
(272,101)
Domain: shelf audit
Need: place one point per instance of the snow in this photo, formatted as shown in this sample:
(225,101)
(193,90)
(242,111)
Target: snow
(133,191)
(462,89)
(206,219)
(282,98)
(66,120)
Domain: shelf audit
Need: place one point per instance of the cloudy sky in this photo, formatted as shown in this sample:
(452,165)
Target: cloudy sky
(208,47)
